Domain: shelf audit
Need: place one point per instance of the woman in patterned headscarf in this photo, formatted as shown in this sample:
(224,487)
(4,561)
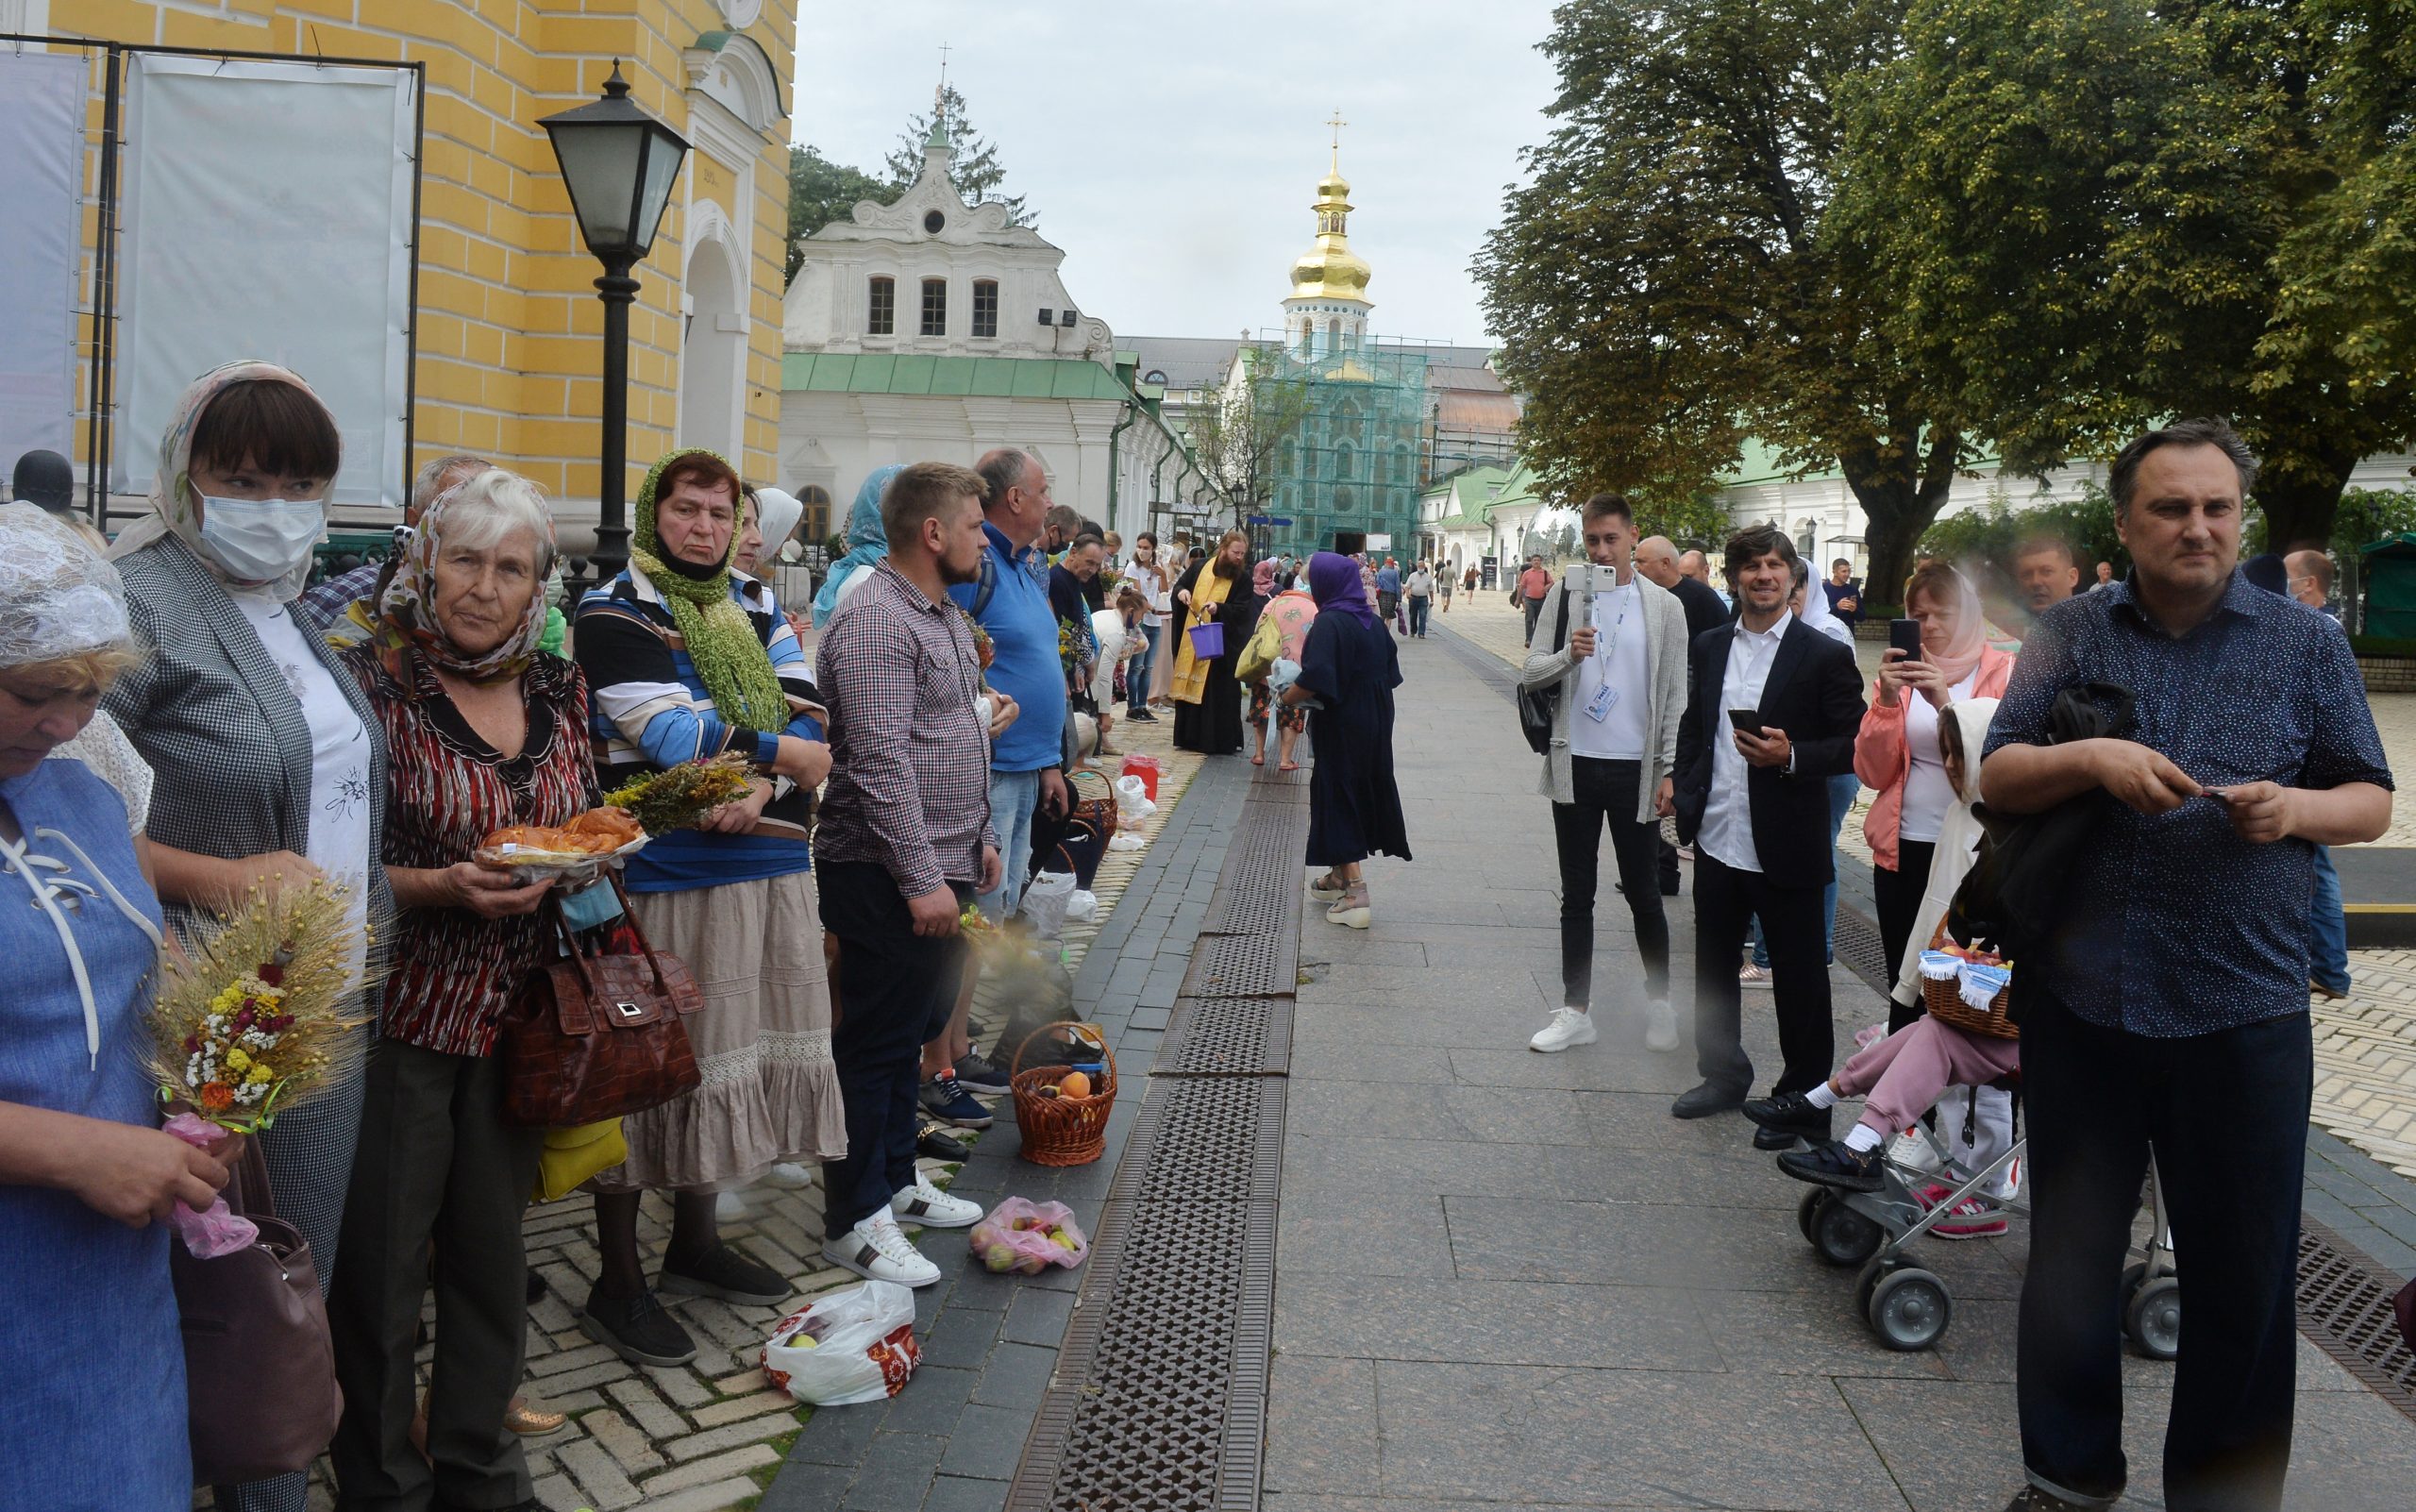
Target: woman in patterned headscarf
(486,731)
(679,666)
(268,764)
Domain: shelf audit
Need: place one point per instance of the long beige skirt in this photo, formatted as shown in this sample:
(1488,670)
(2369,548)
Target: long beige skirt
(762,1040)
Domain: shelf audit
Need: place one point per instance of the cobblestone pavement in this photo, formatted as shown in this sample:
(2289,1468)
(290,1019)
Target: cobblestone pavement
(2365,1047)
(1511,1277)
(711,1434)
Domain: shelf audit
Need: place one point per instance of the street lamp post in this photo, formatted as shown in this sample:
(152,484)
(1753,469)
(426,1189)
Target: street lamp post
(619,164)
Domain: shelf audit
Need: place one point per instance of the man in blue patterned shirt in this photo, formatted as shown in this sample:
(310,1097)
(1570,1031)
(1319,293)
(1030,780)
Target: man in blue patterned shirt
(2169,1012)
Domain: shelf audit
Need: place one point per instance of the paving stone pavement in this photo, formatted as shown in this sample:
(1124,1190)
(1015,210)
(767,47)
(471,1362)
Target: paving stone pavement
(1508,1277)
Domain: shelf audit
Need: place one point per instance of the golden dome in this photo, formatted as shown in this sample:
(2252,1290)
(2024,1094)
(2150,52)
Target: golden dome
(1329,270)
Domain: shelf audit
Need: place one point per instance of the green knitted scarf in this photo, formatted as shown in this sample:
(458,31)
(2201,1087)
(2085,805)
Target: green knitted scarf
(720,637)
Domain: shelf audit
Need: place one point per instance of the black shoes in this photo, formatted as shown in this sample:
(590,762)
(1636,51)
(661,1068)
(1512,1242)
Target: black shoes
(637,1330)
(932,1144)
(1784,1118)
(1834,1164)
(2032,1499)
(1705,1101)
(976,1072)
(722,1272)
(1141,715)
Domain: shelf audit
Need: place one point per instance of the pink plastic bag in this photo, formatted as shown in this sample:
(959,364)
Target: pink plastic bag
(220,1230)
(1030,1237)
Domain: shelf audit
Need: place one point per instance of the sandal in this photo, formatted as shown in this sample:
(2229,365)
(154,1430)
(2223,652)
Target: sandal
(1351,912)
(1328,888)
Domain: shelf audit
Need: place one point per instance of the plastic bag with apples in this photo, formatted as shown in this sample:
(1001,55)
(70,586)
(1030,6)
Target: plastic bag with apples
(1029,1237)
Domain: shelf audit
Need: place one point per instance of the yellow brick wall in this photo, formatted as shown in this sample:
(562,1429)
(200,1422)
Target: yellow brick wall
(509,326)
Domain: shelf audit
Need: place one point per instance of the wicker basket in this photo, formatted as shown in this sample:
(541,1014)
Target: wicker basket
(1060,1130)
(1945,1000)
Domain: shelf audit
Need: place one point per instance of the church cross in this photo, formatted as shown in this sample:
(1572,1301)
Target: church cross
(1337,122)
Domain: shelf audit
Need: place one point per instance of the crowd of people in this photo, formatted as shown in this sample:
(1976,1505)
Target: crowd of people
(2156,766)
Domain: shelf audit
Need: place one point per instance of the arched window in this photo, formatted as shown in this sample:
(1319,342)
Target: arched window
(1342,461)
(1343,501)
(814,526)
(1308,338)
(1333,335)
(880,308)
(1283,458)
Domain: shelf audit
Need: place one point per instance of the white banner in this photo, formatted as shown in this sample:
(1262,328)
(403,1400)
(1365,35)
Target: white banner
(268,214)
(42,172)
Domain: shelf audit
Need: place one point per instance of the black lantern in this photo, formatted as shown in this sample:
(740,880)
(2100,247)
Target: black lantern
(619,164)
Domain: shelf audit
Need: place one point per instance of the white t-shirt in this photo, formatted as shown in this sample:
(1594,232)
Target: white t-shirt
(1927,792)
(1618,664)
(1152,583)
(340,750)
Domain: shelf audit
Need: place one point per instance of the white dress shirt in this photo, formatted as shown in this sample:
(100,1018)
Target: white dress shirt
(1728,818)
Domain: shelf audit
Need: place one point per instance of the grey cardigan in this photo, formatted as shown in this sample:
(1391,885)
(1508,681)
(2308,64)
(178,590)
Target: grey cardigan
(228,746)
(1665,705)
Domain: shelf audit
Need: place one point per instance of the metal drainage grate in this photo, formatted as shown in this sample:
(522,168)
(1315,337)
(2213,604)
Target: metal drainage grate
(1212,1139)
(1243,966)
(2344,1305)
(1864,954)
(1266,862)
(1227,1036)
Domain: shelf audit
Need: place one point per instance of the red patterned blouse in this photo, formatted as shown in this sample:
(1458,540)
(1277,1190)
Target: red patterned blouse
(453,972)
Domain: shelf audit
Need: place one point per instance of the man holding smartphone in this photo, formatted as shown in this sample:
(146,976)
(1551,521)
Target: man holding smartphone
(2165,1010)
(1615,645)
(1772,708)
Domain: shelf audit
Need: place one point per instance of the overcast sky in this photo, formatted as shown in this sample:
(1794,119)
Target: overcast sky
(1173,150)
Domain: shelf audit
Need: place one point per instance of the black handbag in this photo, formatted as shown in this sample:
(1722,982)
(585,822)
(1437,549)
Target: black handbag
(1539,707)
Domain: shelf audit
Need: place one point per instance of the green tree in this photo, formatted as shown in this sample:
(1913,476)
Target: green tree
(976,168)
(1236,429)
(1665,286)
(821,192)
(2095,217)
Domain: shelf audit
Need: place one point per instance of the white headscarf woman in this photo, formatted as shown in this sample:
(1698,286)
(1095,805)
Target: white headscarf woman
(1812,607)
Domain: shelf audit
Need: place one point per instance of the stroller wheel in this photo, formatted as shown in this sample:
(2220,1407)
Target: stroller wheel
(1843,1236)
(1873,1275)
(1809,1209)
(1909,1309)
(2151,1317)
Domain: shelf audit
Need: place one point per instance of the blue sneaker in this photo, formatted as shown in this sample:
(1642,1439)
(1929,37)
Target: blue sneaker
(946,1100)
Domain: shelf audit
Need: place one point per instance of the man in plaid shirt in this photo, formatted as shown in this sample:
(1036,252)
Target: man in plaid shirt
(904,843)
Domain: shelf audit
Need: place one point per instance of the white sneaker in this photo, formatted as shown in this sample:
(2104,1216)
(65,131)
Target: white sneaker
(1913,1153)
(729,1208)
(1660,1025)
(933,1208)
(789,1177)
(877,1251)
(1568,1026)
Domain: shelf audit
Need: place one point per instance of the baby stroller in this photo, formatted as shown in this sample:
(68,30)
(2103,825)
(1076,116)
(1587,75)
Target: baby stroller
(1908,1307)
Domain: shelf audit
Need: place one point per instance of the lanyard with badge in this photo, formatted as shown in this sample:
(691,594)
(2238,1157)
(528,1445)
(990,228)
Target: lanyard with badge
(1606,697)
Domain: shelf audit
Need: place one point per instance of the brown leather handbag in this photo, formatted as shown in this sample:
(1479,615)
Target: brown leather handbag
(255,1317)
(591,1038)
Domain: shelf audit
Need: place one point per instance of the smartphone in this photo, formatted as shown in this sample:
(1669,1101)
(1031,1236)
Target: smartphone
(1906,637)
(1747,720)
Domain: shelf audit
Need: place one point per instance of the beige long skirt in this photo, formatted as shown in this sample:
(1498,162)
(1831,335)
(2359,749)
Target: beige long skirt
(762,1040)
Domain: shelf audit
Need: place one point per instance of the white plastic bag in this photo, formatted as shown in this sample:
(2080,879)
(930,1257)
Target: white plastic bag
(1133,803)
(1081,907)
(1127,841)
(856,1344)
(1045,900)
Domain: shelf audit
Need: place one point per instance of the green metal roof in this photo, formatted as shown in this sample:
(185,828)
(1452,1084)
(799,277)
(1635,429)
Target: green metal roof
(1042,377)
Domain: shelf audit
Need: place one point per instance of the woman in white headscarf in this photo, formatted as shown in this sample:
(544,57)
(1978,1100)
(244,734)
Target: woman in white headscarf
(1897,752)
(96,1371)
(268,764)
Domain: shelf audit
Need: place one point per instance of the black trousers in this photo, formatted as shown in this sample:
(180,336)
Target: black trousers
(896,990)
(1896,897)
(436,1164)
(2226,1114)
(1669,850)
(1726,900)
(1606,793)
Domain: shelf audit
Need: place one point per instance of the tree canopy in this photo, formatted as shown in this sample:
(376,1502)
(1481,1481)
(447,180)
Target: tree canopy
(2096,217)
(1236,429)
(976,169)
(821,192)
(1663,287)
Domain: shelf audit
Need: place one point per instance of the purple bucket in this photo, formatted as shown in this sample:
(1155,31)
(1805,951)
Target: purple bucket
(1208,641)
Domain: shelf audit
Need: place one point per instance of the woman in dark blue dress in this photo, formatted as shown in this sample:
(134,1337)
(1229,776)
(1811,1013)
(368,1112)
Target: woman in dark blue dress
(1349,669)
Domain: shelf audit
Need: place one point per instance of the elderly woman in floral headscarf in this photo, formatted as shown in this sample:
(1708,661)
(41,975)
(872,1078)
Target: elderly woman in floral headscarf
(483,730)
(268,765)
(681,662)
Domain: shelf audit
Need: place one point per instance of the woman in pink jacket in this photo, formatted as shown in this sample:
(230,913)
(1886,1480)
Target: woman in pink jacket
(1897,751)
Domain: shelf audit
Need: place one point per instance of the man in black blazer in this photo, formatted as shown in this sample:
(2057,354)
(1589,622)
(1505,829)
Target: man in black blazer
(1751,795)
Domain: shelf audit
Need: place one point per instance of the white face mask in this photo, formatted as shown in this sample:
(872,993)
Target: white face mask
(261,540)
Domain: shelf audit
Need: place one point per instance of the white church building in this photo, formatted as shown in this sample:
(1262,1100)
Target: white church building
(928,330)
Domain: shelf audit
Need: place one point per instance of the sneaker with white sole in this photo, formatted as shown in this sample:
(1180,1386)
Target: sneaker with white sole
(1750,975)
(878,1251)
(729,1208)
(1975,1218)
(933,1208)
(1911,1152)
(1660,1025)
(1568,1026)
(789,1177)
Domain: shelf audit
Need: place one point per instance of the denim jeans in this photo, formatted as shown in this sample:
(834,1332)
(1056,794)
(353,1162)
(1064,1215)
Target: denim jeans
(1843,789)
(1014,796)
(1136,671)
(2327,929)
(1419,604)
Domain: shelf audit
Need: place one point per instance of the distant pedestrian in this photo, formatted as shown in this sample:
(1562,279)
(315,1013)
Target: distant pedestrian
(2327,922)
(1469,579)
(2104,576)
(1532,584)
(1698,566)
(1349,668)
(1843,593)
(1418,589)
(1445,579)
(2163,1010)
(1389,590)
(2045,571)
